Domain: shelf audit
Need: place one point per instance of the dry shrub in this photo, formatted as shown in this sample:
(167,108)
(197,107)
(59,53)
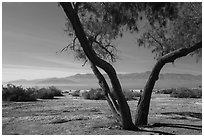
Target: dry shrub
(75,93)
(94,94)
(186,93)
(130,95)
(17,93)
(56,92)
(166,91)
(44,93)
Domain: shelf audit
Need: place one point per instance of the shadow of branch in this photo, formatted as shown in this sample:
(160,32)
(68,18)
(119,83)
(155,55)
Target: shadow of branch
(193,127)
(159,132)
(185,114)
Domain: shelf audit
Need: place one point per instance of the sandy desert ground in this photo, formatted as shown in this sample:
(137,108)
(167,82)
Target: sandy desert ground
(69,115)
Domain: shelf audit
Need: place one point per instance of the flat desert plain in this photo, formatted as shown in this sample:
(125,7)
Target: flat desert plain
(69,115)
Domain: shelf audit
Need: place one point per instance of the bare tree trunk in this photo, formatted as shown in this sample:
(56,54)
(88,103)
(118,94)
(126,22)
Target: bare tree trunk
(108,68)
(143,105)
(123,106)
(141,116)
(103,84)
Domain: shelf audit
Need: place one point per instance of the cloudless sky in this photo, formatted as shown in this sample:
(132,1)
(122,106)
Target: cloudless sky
(32,33)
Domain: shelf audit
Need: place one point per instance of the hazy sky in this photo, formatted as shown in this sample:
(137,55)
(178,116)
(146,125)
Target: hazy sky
(32,33)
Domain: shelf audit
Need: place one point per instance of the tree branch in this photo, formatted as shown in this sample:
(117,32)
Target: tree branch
(156,40)
(170,57)
(71,44)
(84,62)
(105,48)
(143,105)
(76,6)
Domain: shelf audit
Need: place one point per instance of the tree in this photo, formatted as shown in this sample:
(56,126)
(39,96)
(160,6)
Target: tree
(84,40)
(96,25)
(175,32)
(174,40)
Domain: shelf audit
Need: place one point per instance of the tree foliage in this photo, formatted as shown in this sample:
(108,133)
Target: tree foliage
(183,31)
(98,30)
(104,22)
(173,25)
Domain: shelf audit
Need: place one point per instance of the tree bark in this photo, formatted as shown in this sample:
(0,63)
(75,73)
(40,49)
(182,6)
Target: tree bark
(108,68)
(141,116)
(143,105)
(103,84)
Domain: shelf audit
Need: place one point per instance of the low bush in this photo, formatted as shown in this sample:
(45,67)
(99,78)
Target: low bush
(44,93)
(98,94)
(17,93)
(165,91)
(32,91)
(75,93)
(197,92)
(85,95)
(130,95)
(186,93)
(94,94)
(56,92)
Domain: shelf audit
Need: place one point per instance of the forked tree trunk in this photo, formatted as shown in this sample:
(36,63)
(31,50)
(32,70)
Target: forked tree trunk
(141,116)
(103,84)
(108,68)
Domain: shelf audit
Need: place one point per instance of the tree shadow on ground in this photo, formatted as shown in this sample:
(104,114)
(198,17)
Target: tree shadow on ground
(185,114)
(116,126)
(154,131)
(192,127)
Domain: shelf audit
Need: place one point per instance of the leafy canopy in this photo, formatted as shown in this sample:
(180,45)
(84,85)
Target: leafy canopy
(183,31)
(98,30)
(172,25)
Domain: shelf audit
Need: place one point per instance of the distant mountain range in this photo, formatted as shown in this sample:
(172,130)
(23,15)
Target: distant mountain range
(43,81)
(131,80)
